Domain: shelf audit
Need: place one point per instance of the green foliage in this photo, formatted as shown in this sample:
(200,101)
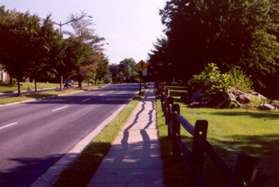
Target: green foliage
(213,81)
(229,33)
(238,79)
(125,71)
(30,49)
(102,70)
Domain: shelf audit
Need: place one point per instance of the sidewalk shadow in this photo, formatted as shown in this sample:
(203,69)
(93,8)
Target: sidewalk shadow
(147,98)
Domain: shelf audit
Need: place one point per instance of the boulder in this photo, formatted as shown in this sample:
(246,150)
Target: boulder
(266,106)
(233,98)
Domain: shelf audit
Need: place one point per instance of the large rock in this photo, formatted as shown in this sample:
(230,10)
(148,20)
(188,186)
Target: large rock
(267,106)
(233,98)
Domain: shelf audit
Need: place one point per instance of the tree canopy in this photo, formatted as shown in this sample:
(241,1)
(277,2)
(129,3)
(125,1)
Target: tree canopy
(229,33)
(125,71)
(32,47)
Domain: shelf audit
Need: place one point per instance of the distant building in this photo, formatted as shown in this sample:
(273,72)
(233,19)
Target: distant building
(4,76)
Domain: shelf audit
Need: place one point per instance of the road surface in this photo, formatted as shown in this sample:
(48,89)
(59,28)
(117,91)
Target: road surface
(35,135)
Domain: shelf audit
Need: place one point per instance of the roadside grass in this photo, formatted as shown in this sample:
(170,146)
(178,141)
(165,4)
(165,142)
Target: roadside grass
(81,170)
(39,95)
(49,93)
(232,131)
(5,88)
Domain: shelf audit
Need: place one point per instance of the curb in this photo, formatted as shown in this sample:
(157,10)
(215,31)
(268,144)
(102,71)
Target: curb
(53,172)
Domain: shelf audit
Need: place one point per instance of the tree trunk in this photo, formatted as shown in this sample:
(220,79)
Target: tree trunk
(11,80)
(35,84)
(61,82)
(80,84)
(18,87)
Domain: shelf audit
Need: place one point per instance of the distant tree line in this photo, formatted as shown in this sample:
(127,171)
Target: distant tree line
(33,48)
(238,33)
(125,71)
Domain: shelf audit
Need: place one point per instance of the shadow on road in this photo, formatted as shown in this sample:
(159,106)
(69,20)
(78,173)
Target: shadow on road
(113,94)
(25,170)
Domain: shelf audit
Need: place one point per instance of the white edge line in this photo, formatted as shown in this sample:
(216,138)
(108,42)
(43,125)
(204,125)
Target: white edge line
(53,172)
(8,125)
(60,108)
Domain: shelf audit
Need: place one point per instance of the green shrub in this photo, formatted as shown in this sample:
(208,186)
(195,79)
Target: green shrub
(213,81)
(239,80)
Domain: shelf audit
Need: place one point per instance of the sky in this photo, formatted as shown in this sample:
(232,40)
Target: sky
(130,27)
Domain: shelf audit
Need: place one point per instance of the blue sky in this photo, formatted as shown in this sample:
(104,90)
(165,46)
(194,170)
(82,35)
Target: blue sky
(129,26)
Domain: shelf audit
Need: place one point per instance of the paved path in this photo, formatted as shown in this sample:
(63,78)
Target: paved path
(134,159)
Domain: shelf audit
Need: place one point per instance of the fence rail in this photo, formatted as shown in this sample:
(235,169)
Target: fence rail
(244,173)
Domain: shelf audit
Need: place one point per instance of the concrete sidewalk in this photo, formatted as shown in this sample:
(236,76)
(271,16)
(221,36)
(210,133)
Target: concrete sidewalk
(134,158)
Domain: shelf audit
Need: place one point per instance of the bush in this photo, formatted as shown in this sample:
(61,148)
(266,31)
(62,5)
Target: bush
(212,81)
(238,79)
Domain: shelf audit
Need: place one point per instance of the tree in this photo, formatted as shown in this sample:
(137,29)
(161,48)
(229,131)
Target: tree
(47,52)
(82,45)
(159,60)
(18,35)
(228,33)
(114,71)
(128,67)
(102,68)
(125,71)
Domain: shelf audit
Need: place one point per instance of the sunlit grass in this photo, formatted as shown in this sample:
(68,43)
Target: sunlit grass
(232,131)
(26,86)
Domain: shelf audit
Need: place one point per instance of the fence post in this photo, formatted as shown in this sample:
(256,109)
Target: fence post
(166,91)
(176,130)
(169,104)
(245,170)
(200,134)
(163,104)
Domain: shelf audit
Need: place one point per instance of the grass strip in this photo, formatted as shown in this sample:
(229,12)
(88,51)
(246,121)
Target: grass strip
(39,95)
(45,94)
(5,88)
(81,170)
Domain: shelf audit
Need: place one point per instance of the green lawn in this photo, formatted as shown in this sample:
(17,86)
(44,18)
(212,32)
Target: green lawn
(81,170)
(26,86)
(232,131)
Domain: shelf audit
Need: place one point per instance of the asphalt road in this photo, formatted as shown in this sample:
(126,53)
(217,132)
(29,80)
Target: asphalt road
(35,135)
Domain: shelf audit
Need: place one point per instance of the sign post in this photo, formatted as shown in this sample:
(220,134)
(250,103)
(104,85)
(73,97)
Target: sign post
(142,66)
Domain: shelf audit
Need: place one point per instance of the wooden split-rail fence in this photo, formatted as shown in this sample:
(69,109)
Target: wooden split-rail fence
(245,171)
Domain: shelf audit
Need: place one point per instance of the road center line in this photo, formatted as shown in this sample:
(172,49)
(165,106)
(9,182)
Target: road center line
(8,125)
(60,108)
(84,100)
